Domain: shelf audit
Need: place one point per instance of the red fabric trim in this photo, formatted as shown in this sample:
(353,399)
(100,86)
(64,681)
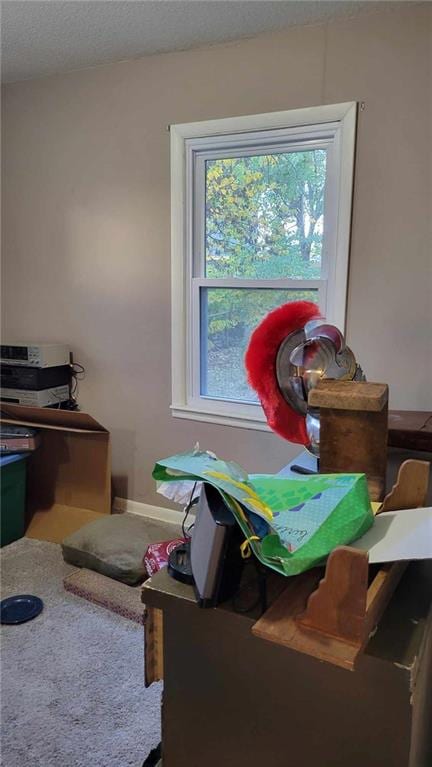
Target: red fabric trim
(260,361)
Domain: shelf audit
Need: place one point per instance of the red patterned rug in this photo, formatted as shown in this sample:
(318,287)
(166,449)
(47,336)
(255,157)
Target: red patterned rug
(115,596)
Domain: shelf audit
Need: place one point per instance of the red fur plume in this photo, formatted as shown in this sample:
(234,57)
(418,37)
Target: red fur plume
(260,361)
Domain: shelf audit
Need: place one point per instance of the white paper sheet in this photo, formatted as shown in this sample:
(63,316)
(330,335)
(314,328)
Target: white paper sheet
(399,535)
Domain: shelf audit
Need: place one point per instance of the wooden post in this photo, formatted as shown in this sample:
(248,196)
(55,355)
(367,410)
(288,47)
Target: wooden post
(353,429)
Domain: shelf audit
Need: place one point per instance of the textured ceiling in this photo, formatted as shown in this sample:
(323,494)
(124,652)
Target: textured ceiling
(45,38)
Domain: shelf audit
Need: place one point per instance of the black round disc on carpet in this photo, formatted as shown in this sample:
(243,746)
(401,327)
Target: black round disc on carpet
(19,609)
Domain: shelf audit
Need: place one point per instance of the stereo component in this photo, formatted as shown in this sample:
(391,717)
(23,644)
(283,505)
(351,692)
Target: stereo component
(18,377)
(55,396)
(35,355)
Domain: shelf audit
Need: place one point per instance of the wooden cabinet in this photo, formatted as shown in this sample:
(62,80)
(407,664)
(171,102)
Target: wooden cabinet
(233,699)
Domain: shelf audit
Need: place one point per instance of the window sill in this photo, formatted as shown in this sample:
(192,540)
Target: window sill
(221,417)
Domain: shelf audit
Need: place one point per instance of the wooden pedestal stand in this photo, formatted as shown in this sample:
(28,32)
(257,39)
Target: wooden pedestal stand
(332,619)
(353,430)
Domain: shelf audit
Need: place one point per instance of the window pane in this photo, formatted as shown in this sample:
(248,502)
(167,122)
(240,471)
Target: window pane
(264,215)
(228,317)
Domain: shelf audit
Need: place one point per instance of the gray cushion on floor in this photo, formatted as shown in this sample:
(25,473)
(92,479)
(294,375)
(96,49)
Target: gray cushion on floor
(115,545)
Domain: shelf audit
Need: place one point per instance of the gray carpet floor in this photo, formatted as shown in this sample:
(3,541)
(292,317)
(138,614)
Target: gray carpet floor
(72,689)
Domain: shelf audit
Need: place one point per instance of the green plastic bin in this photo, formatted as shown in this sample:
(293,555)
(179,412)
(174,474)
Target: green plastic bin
(13,493)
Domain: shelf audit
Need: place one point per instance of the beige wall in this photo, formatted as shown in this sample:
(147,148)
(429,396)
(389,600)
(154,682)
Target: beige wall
(87,221)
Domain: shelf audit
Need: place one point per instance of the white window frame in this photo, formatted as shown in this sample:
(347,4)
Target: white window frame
(331,126)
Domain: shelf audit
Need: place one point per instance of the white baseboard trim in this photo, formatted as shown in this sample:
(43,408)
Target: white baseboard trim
(121,505)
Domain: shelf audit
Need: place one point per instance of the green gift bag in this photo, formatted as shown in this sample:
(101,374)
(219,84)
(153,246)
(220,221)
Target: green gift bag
(312,516)
(291,525)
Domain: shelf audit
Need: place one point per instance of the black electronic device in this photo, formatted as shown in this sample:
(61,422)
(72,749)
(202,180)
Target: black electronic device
(179,566)
(34,379)
(215,557)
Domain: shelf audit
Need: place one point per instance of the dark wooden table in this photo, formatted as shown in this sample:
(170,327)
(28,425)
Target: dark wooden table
(410,429)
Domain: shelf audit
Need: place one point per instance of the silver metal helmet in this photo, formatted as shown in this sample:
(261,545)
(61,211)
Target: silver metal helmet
(306,356)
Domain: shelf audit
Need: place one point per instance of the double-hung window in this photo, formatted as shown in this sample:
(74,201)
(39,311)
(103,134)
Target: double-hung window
(261,210)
